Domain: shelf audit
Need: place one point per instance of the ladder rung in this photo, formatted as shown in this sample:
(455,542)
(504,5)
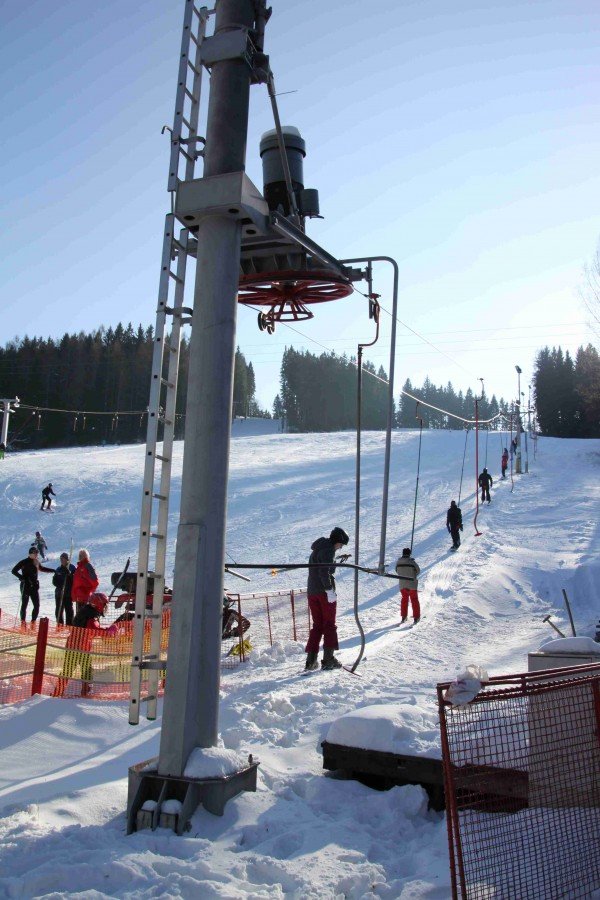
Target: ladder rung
(153,664)
(191,96)
(188,125)
(160,496)
(186,154)
(167,421)
(155,534)
(194,39)
(147,698)
(193,68)
(166,383)
(175,277)
(162,458)
(153,616)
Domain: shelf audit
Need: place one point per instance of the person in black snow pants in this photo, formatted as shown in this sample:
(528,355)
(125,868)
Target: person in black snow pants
(485,483)
(63,581)
(322,601)
(454,523)
(26,570)
(46,496)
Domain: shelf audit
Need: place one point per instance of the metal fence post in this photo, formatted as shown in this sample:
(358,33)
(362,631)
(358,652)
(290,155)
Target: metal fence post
(40,657)
(293,615)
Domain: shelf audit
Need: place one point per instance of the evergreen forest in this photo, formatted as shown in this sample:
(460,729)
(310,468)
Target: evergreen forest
(107,371)
(567,392)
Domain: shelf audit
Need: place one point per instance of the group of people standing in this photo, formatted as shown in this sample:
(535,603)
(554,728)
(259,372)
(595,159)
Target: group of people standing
(72,584)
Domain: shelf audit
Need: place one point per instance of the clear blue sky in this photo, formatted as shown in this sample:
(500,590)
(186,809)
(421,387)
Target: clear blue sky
(461,139)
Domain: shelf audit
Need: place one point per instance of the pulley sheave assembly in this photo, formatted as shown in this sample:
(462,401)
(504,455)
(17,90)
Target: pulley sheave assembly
(288,294)
(282,270)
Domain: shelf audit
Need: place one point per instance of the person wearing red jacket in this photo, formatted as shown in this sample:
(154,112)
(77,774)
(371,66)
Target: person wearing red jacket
(79,643)
(504,462)
(85,580)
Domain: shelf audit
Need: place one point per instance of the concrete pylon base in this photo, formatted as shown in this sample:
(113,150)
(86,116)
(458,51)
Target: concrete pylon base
(155,800)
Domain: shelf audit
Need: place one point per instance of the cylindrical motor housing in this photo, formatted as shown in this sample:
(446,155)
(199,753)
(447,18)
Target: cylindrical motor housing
(274,189)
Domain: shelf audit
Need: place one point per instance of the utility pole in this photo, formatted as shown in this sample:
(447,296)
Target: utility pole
(191,704)
(526,448)
(8,407)
(518,459)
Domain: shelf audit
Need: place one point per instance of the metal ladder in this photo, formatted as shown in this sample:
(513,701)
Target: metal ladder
(146,665)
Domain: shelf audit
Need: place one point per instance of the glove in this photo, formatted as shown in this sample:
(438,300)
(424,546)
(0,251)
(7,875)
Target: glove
(331,596)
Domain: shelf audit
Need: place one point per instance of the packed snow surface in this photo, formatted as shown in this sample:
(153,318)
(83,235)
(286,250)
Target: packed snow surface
(63,763)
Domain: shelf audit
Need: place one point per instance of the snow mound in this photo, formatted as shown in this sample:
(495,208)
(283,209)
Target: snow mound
(214,762)
(585,645)
(389,728)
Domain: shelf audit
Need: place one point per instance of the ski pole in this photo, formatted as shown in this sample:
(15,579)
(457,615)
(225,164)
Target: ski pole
(568,605)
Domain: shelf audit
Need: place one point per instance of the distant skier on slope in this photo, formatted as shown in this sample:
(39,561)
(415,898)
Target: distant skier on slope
(408,571)
(504,462)
(40,542)
(485,483)
(454,523)
(322,600)
(26,570)
(46,495)
(63,583)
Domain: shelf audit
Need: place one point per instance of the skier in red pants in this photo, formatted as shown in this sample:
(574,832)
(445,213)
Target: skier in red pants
(322,601)
(408,571)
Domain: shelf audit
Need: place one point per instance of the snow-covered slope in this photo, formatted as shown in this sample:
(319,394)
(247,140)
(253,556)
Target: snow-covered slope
(63,764)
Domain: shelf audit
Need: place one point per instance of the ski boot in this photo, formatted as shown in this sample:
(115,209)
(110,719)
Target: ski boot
(403,620)
(312,662)
(329,660)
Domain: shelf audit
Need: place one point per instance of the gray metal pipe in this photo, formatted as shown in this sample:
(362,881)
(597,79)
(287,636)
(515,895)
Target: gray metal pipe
(390,410)
(191,705)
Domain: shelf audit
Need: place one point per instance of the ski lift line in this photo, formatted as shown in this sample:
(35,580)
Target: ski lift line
(286,567)
(437,349)
(452,415)
(84,412)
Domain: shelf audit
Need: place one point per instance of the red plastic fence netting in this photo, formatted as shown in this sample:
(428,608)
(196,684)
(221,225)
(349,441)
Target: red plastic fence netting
(62,661)
(522,784)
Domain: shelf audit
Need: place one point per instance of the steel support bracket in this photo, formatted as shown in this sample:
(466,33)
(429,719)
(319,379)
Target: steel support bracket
(232,195)
(235,44)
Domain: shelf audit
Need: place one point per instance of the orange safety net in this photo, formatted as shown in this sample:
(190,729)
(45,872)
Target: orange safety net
(96,662)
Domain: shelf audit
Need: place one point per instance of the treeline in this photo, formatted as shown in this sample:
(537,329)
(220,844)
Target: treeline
(318,393)
(105,371)
(567,392)
(445,398)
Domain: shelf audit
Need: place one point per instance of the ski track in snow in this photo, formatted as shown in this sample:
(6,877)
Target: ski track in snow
(63,770)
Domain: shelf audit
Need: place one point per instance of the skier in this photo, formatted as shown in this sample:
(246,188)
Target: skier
(2,450)
(454,523)
(63,583)
(79,643)
(485,483)
(322,601)
(46,495)
(408,571)
(40,542)
(26,570)
(504,462)
(85,580)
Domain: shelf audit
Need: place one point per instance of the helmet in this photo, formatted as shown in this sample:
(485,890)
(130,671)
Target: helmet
(99,602)
(406,551)
(338,536)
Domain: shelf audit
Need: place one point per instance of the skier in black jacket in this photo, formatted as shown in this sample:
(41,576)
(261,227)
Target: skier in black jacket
(26,570)
(63,581)
(485,483)
(322,600)
(46,496)
(454,523)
